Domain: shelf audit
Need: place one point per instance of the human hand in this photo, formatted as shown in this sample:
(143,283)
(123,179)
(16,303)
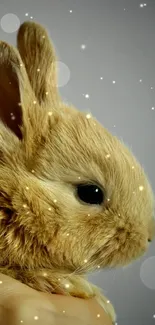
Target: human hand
(20,304)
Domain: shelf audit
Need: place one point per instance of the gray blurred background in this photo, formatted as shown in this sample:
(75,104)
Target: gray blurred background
(106,50)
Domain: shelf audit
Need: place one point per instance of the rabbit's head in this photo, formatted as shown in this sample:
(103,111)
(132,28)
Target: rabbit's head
(72,196)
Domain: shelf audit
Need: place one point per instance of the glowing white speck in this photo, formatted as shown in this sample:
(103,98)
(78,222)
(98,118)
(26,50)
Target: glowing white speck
(50,113)
(24,206)
(31,17)
(67,234)
(154,316)
(32,171)
(55,201)
(67,285)
(107,156)
(83,47)
(98,266)
(88,214)
(151,88)
(108,200)
(46,93)
(49,209)
(1,282)
(101,78)
(19,104)
(85,261)
(108,301)
(70,11)
(44,274)
(114,82)
(34,102)
(21,321)
(153,108)
(88,116)
(38,70)
(26,14)
(27,188)
(87,96)
(141,5)
(36,317)
(141,188)
(21,65)
(79,177)
(64,311)
(98,315)
(140,80)
(133,167)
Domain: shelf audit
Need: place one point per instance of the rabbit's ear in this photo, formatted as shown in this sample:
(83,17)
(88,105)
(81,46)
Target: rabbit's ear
(15,90)
(38,55)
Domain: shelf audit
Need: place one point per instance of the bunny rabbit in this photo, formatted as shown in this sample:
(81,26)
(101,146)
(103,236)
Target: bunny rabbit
(73,197)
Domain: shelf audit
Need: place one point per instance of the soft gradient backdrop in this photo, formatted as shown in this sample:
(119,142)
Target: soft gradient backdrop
(106,50)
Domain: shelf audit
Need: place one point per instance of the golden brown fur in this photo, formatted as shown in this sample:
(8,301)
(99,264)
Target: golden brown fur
(49,238)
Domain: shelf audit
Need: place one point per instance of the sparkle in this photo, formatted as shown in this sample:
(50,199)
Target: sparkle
(31,17)
(88,116)
(36,317)
(70,11)
(67,285)
(108,200)
(1,282)
(154,316)
(151,88)
(98,315)
(54,200)
(98,266)
(64,311)
(32,171)
(88,214)
(141,188)
(19,104)
(85,261)
(44,274)
(27,188)
(26,14)
(67,234)
(24,206)
(83,47)
(152,108)
(38,70)
(21,65)
(79,177)
(49,209)
(34,102)
(86,95)
(140,80)
(21,321)
(108,301)
(101,78)
(107,156)
(114,126)
(114,82)
(46,93)
(13,117)
(50,113)
(43,36)
(133,167)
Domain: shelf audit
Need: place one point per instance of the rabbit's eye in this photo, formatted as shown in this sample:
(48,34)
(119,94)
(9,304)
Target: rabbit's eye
(91,194)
